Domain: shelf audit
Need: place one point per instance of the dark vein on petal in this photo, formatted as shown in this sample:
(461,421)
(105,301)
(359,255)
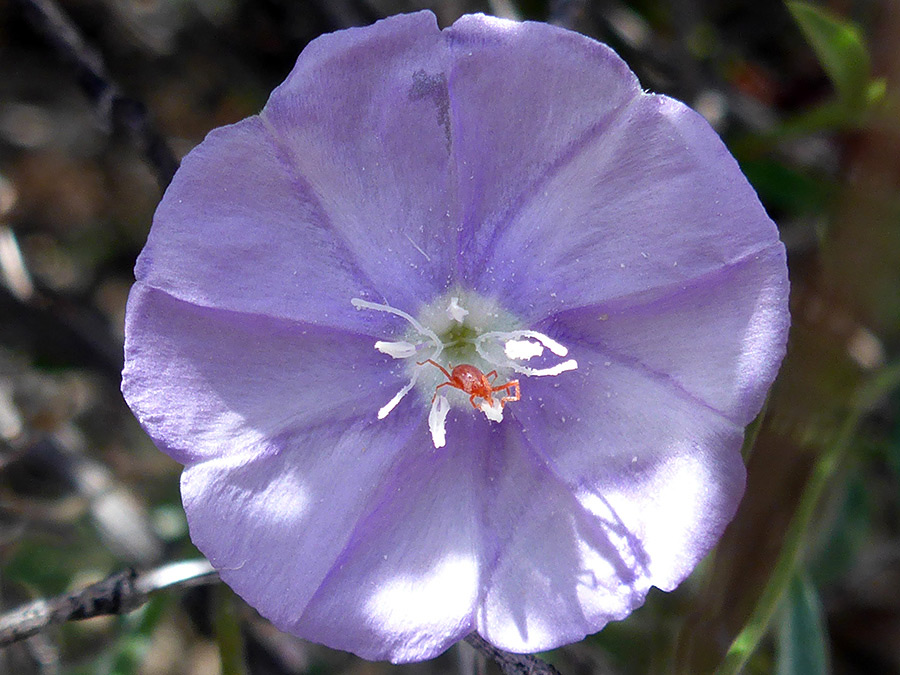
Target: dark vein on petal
(647,297)
(546,466)
(301,180)
(364,511)
(378,499)
(454,162)
(570,487)
(575,149)
(289,322)
(637,366)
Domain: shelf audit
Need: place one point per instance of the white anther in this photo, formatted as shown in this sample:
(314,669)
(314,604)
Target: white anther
(522,350)
(500,348)
(437,420)
(548,342)
(425,332)
(399,350)
(455,312)
(492,409)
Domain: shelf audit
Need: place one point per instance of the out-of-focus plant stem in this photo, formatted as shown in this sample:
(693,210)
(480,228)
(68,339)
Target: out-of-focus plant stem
(751,433)
(114,109)
(228,633)
(795,540)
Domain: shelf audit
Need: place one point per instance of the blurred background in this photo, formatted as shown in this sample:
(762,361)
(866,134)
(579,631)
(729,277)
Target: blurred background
(99,101)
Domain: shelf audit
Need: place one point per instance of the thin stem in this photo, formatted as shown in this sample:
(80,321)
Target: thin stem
(228,633)
(511,664)
(751,433)
(748,639)
(119,593)
(112,106)
(746,642)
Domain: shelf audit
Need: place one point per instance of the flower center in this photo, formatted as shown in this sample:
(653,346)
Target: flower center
(465,351)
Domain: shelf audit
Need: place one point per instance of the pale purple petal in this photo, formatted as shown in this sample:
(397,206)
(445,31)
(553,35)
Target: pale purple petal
(364,121)
(516,162)
(718,337)
(347,170)
(274,525)
(406,585)
(205,245)
(637,450)
(523,95)
(209,382)
(556,572)
(650,204)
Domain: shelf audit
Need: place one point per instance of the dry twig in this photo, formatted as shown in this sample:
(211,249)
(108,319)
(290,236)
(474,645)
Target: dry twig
(511,664)
(119,593)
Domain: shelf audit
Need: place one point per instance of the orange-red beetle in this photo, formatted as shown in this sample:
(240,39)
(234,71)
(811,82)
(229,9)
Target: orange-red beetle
(475,383)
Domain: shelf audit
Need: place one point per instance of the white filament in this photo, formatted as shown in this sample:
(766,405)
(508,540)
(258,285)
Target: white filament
(400,349)
(385,410)
(513,335)
(563,367)
(503,349)
(420,329)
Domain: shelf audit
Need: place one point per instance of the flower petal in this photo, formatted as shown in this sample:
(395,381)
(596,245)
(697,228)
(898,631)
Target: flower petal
(524,97)
(639,452)
(557,572)
(364,120)
(648,205)
(235,231)
(720,337)
(240,381)
(274,524)
(406,585)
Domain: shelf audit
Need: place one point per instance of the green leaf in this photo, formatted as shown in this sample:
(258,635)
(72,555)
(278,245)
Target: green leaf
(785,189)
(876,91)
(802,641)
(840,49)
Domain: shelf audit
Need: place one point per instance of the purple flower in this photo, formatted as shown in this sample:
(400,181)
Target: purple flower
(497,195)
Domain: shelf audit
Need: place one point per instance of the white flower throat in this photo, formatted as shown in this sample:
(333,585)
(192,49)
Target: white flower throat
(464,350)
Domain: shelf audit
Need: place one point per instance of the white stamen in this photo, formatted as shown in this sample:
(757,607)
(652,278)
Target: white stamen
(548,342)
(506,350)
(385,410)
(437,420)
(563,367)
(488,347)
(492,409)
(426,332)
(456,312)
(522,350)
(399,350)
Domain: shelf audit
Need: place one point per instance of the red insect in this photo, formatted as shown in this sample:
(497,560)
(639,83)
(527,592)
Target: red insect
(475,383)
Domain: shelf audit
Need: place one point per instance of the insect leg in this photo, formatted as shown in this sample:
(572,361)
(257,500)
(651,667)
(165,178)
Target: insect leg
(435,363)
(514,384)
